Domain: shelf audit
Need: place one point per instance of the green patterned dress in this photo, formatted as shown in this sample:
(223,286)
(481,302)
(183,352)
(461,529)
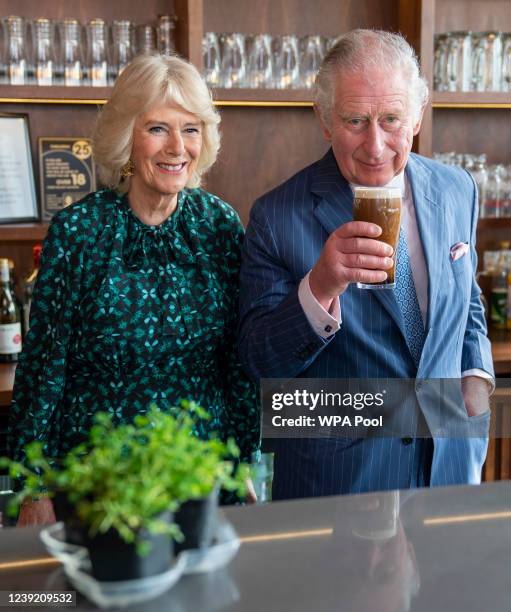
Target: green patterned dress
(125,315)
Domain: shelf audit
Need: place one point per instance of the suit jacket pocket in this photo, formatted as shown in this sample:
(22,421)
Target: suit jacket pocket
(461,270)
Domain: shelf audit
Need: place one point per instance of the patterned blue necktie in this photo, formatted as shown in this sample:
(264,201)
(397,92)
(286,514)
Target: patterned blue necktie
(407,299)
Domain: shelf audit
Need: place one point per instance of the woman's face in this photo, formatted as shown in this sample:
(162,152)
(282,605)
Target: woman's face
(167,142)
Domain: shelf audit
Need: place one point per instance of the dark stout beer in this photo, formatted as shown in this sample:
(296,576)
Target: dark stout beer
(382,206)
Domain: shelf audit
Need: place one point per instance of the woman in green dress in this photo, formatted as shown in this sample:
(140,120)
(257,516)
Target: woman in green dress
(136,300)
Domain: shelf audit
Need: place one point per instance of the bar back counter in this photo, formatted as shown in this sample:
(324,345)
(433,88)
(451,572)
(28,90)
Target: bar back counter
(439,549)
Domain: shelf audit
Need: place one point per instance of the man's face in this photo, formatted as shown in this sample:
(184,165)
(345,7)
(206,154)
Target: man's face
(371,127)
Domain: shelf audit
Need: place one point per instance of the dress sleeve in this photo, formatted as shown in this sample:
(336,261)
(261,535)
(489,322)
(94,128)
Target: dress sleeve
(41,371)
(244,418)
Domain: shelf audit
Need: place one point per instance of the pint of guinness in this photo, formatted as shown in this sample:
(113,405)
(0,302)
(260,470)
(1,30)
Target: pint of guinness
(382,206)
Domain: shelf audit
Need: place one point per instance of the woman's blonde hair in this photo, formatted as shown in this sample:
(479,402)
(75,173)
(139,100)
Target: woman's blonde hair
(147,81)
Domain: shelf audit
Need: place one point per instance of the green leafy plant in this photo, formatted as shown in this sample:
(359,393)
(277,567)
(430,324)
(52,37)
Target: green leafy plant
(124,477)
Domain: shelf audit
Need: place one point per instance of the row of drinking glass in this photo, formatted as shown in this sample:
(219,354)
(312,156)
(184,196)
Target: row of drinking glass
(493,181)
(45,52)
(263,61)
(472,61)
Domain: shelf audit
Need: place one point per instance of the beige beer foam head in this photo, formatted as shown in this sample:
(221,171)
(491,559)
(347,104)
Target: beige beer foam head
(373,193)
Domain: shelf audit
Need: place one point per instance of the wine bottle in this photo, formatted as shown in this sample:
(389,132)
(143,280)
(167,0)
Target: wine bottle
(10,317)
(29,284)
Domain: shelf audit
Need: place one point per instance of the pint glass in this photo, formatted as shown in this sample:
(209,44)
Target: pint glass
(382,206)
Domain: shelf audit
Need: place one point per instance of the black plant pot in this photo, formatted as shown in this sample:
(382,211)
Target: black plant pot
(113,559)
(197,519)
(74,529)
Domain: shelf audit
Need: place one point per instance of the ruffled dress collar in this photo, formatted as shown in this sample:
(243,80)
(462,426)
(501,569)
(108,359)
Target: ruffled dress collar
(169,243)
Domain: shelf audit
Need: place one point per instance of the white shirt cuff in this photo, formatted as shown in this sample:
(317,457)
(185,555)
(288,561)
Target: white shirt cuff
(325,323)
(481,374)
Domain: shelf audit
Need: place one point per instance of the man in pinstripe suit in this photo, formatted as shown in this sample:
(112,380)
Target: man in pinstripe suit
(302,314)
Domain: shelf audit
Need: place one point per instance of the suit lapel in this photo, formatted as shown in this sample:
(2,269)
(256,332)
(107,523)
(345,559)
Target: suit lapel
(431,225)
(335,203)
(334,208)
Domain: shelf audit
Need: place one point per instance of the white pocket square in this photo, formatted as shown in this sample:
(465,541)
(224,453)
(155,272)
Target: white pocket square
(458,250)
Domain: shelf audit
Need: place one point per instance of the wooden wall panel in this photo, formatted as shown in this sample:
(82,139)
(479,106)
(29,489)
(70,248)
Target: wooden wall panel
(189,29)
(476,15)
(298,16)
(84,10)
(262,147)
(474,131)
(489,240)
(54,120)
(427,12)
(21,254)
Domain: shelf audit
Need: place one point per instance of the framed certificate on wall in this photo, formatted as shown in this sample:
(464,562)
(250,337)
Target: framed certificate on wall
(67,172)
(18,201)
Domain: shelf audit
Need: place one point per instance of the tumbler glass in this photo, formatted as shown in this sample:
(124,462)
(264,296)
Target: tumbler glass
(505,200)
(146,39)
(459,56)
(234,64)
(97,57)
(486,61)
(469,161)
(211,59)
(262,469)
(165,34)
(492,201)
(440,63)
(16,50)
(260,62)
(71,58)
(311,58)
(123,48)
(3,45)
(445,158)
(480,174)
(44,44)
(505,83)
(288,63)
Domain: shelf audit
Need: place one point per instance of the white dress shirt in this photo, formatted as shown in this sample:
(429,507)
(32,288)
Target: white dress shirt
(325,323)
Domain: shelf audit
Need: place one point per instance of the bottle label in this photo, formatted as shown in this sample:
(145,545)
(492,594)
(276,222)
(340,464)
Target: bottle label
(10,338)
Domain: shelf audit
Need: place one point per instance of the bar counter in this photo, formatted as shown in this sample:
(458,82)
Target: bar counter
(447,549)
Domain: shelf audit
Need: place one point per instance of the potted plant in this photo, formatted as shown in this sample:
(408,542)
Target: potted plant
(204,468)
(121,487)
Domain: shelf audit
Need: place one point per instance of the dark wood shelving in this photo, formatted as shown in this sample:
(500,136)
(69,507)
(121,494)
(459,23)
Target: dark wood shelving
(262,97)
(491,223)
(501,349)
(471,99)
(32,94)
(55,94)
(22,232)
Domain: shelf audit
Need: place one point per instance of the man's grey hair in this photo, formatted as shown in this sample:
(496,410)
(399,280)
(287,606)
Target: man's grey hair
(360,51)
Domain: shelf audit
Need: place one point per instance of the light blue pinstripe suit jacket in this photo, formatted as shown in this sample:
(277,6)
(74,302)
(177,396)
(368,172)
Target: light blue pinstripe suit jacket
(287,230)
